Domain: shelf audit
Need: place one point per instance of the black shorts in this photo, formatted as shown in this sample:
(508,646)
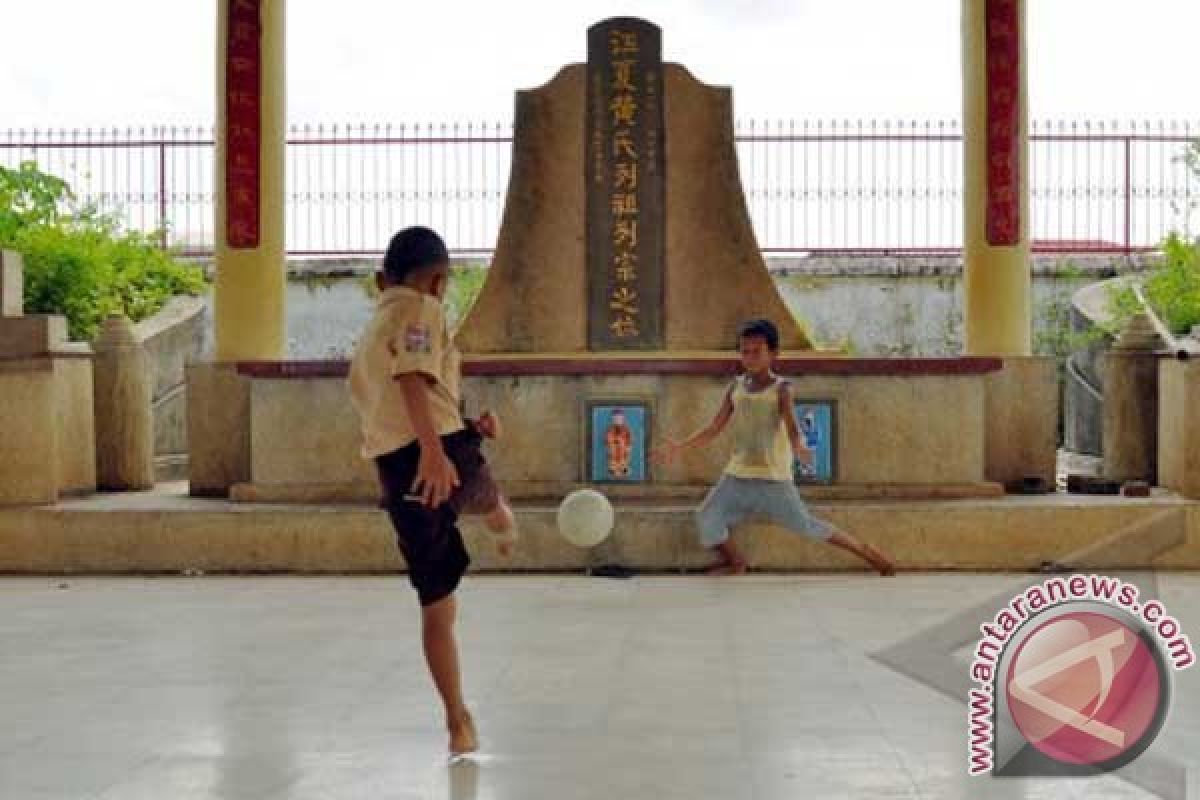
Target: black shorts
(429,538)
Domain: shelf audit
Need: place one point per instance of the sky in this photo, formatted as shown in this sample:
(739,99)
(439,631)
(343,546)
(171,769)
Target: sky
(147,62)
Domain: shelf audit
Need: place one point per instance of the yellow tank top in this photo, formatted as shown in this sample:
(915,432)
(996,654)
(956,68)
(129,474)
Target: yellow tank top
(761,448)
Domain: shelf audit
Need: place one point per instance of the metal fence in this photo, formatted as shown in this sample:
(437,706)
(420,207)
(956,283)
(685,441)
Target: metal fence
(875,186)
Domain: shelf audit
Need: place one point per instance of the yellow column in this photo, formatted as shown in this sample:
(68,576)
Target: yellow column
(249,299)
(996,278)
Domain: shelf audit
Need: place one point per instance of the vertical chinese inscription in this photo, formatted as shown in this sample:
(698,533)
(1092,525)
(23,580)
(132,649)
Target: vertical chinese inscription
(1003,123)
(625,186)
(243,123)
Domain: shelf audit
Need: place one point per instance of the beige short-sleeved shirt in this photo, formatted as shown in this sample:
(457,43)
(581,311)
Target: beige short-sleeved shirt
(408,334)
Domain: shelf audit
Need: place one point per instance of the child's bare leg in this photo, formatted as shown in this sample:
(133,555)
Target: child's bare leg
(441,654)
(882,563)
(732,562)
(502,522)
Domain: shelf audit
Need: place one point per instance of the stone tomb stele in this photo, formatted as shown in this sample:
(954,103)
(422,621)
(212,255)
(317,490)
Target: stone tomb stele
(625,264)
(625,227)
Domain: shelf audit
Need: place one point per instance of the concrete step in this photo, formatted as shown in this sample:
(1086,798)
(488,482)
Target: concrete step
(167,531)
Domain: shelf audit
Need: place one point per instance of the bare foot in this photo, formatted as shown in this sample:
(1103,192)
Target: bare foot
(502,524)
(884,565)
(737,567)
(505,544)
(463,738)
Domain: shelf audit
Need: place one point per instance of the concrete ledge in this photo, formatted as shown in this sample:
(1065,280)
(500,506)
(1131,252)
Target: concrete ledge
(530,491)
(39,364)
(32,336)
(701,364)
(167,531)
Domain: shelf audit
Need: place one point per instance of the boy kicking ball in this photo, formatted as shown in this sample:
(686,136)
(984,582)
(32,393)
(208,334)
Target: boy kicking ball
(405,385)
(758,481)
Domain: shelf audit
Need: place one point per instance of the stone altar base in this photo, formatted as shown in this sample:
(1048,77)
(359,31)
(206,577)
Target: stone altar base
(905,428)
(166,531)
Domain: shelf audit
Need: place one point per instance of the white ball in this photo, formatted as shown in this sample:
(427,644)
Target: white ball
(585,518)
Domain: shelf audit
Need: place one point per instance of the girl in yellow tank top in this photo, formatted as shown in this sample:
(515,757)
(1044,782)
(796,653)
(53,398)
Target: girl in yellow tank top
(758,480)
(761,449)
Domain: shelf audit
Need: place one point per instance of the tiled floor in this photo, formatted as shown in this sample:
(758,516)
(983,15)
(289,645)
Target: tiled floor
(658,688)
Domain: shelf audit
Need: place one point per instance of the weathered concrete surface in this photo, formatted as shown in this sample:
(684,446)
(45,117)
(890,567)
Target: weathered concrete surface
(75,426)
(304,432)
(32,336)
(124,412)
(875,307)
(1179,426)
(169,532)
(173,338)
(716,278)
(47,436)
(536,291)
(1131,416)
(12,284)
(1021,420)
(218,414)
(28,454)
(893,430)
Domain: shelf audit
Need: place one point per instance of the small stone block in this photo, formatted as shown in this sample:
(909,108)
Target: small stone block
(12,284)
(1103,486)
(22,337)
(1030,484)
(1136,489)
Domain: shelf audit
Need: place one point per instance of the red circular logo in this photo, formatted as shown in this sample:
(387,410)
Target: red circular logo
(1084,688)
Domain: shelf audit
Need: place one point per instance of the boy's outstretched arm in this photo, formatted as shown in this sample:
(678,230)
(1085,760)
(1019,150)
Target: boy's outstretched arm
(669,451)
(436,476)
(788,412)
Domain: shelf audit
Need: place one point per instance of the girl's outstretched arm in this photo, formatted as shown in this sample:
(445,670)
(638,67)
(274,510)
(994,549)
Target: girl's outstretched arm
(669,451)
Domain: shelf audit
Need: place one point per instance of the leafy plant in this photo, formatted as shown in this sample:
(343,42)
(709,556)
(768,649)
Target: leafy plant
(466,281)
(29,197)
(1054,335)
(1123,302)
(78,261)
(1172,289)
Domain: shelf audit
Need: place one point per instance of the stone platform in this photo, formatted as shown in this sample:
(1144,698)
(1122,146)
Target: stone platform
(166,531)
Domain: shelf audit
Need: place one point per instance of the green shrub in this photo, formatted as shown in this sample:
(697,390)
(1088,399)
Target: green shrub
(1123,303)
(79,262)
(1172,289)
(466,281)
(465,284)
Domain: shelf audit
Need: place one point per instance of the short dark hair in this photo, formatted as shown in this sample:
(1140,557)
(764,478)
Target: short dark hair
(763,328)
(410,250)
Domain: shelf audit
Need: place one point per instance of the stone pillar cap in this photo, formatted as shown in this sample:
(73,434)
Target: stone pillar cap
(116,332)
(1140,335)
